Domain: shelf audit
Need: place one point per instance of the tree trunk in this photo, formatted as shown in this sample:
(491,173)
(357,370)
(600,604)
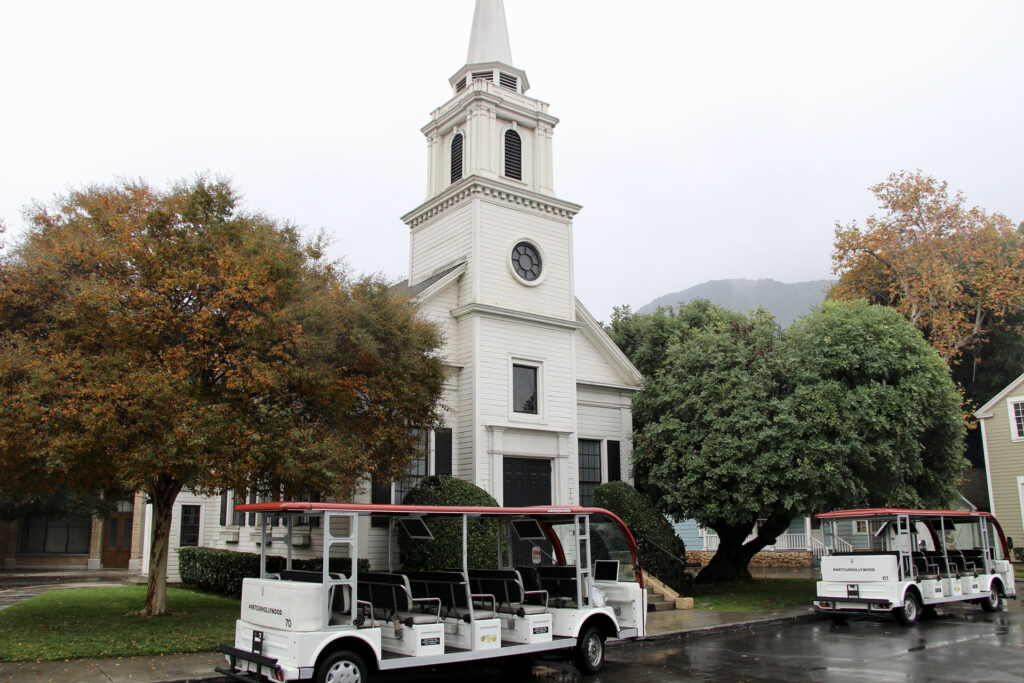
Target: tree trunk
(162,493)
(732,560)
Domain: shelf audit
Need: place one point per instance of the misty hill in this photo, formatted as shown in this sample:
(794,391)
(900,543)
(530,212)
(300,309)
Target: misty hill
(786,301)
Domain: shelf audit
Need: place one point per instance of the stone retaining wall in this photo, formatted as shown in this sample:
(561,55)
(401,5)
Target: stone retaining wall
(795,558)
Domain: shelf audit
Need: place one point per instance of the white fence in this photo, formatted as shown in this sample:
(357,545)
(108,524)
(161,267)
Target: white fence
(785,543)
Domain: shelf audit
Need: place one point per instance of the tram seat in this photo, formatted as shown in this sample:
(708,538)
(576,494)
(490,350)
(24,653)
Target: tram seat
(507,588)
(965,565)
(560,583)
(300,575)
(975,556)
(923,567)
(938,559)
(452,589)
(390,598)
(530,577)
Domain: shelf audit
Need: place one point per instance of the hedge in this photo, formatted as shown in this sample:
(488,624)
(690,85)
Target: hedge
(651,529)
(222,571)
(445,551)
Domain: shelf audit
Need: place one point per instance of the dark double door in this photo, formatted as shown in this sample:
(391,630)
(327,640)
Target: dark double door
(526,481)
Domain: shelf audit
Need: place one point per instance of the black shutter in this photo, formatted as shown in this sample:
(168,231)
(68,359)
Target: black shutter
(614,466)
(443,451)
(457,158)
(252,515)
(224,508)
(513,155)
(380,494)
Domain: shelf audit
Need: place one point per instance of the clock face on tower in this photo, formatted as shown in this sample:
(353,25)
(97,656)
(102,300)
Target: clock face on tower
(526,261)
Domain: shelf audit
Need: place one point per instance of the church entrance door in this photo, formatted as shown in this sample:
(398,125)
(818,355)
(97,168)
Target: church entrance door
(527,481)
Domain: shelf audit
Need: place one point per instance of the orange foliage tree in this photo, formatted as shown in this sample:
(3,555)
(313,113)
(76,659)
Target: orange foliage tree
(952,271)
(158,341)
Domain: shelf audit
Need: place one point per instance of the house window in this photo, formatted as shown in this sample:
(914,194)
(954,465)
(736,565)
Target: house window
(56,535)
(524,389)
(457,158)
(860,527)
(590,469)
(418,466)
(190,515)
(1016,406)
(513,155)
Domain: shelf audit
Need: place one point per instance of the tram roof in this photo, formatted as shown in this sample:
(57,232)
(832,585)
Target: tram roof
(420,510)
(891,512)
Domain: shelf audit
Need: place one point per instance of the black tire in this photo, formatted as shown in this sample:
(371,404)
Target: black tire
(589,651)
(343,666)
(994,601)
(911,610)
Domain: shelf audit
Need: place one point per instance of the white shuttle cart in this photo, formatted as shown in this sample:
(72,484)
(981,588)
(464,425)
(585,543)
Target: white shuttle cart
(580,583)
(908,561)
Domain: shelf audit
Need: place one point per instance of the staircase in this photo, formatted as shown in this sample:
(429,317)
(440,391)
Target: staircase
(666,610)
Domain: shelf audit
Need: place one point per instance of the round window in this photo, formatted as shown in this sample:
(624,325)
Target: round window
(526,261)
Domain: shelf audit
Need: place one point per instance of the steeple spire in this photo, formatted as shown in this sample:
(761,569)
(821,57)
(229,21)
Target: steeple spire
(489,39)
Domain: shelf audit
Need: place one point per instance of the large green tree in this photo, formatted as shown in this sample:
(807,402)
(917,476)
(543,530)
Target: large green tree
(167,340)
(742,429)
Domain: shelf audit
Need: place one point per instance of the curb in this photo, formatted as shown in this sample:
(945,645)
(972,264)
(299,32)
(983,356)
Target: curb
(699,632)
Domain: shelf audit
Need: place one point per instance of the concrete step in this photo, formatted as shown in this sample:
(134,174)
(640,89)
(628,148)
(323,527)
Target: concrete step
(657,602)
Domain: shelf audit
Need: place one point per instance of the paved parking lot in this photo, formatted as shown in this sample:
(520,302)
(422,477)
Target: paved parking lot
(962,643)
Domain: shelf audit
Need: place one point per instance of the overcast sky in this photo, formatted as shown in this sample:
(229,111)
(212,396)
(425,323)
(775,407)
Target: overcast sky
(705,140)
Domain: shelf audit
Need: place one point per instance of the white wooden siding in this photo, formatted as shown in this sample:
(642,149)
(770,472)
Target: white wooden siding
(1005,464)
(501,226)
(440,242)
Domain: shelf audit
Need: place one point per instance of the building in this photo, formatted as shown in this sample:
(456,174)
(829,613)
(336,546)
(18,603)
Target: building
(1002,437)
(537,396)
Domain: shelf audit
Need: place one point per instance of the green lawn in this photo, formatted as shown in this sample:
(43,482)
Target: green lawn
(756,595)
(102,622)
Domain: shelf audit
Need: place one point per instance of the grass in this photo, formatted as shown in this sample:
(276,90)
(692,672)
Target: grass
(755,596)
(102,622)
(1018,571)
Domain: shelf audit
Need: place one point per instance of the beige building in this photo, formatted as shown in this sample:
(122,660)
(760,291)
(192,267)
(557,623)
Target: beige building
(1002,434)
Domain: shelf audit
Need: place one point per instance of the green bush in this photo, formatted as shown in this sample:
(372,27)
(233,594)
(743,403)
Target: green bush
(445,551)
(222,571)
(651,530)
(1018,553)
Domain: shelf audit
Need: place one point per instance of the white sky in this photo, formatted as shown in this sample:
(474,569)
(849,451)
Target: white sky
(705,140)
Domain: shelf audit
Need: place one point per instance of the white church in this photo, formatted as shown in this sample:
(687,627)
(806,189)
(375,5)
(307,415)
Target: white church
(537,395)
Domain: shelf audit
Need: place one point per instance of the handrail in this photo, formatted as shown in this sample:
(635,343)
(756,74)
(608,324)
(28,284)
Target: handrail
(664,550)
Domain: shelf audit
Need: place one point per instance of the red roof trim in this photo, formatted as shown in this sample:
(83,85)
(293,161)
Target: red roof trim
(879,512)
(420,509)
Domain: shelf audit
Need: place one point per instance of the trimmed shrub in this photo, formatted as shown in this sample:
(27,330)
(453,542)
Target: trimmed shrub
(222,571)
(650,529)
(445,551)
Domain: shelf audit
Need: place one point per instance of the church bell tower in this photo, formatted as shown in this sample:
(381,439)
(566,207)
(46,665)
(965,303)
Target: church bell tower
(491,263)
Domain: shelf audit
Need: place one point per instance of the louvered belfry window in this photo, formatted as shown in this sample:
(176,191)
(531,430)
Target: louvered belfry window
(513,155)
(457,158)
(508,81)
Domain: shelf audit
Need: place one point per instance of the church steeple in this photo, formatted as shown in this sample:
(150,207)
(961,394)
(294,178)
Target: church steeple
(489,40)
(490,55)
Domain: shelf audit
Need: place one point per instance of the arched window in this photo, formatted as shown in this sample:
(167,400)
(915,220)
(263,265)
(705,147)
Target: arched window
(513,155)
(457,157)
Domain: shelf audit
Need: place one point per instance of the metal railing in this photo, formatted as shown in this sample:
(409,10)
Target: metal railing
(661,563)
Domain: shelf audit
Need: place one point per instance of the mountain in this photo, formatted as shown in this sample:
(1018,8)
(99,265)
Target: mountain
(786,301)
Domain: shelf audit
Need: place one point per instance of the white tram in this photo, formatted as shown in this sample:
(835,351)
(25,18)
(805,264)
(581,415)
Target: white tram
(915,560)
(580,585)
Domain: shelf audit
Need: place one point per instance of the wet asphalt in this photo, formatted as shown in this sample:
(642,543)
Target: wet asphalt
(962,643)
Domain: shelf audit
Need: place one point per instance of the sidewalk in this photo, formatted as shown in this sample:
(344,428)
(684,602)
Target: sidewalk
(197,667)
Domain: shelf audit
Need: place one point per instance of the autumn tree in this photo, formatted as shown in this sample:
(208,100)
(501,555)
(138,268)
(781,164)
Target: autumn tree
(954,272)
(741,428)
(167,340)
